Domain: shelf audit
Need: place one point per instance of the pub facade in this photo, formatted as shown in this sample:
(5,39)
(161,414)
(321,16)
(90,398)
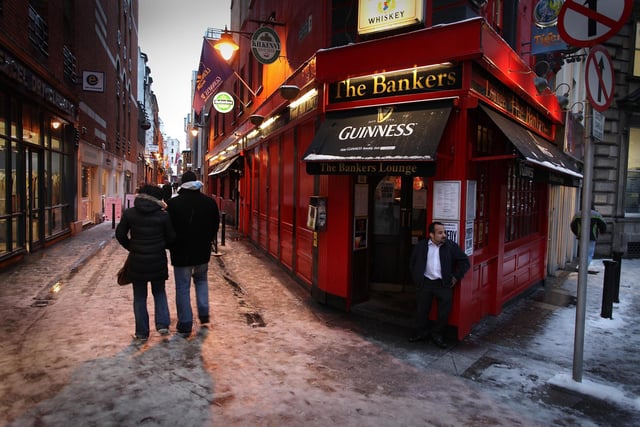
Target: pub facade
(386,135)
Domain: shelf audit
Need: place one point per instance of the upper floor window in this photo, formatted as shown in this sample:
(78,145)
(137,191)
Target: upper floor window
(38,32)
(632,187)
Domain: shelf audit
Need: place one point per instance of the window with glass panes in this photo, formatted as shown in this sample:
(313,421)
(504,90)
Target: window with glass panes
(636,56)
(632,187)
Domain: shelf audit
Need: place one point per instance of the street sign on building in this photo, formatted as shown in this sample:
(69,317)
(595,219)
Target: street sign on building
(597,125)
(585,23)
(599,78)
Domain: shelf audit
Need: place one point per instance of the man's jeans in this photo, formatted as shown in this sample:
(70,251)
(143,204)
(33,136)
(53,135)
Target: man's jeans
(161,314)
(592,250)
(182,277)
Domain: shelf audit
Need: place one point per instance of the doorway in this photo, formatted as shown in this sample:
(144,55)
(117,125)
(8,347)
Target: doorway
(398,221)
(35,215)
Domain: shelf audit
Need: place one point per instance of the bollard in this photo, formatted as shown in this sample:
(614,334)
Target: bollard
(224,224)
(617,257)
(607,289)
(113,216)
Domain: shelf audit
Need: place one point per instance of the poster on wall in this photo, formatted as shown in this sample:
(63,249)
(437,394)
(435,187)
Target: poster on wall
(361,200)
(360,233)
(451,229)
(471,200)
(446,200)
(468,238)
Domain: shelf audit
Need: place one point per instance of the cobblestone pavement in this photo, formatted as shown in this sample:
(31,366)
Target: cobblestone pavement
(274,357)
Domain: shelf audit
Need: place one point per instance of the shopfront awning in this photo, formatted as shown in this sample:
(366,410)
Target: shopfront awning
(558,168)
(223,165)
(373,140)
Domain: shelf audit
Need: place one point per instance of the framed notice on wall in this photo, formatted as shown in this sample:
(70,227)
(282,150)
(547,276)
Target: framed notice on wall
(446,200)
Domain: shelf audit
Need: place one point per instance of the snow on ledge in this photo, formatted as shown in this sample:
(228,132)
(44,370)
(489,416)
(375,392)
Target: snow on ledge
(600,391)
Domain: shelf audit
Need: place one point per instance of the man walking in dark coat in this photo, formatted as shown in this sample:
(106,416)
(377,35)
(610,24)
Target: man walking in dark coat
(195,218)
(437,264)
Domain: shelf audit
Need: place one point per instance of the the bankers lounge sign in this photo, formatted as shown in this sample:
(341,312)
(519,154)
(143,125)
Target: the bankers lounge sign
(405,82)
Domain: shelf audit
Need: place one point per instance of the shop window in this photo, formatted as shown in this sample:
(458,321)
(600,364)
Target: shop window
(481,223)
(636,56)
(522,208)
(490,141)
(632,187)
(484,141)
(3,115)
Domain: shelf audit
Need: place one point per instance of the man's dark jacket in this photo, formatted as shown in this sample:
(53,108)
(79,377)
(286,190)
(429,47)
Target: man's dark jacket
(196,219)
(145,230)
(453,262)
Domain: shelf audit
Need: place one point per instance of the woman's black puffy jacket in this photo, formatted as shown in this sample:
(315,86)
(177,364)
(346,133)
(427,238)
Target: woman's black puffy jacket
(145,230)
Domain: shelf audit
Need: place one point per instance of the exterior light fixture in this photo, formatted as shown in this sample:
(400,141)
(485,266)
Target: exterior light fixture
(563,100)
(541,84)
(256,119)
(194,132)
(55,123)
(579,115)
(289,92)
(226,45)
(304,98)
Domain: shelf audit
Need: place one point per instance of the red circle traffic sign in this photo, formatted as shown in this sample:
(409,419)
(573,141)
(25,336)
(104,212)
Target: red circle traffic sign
(585,23)
(600,79)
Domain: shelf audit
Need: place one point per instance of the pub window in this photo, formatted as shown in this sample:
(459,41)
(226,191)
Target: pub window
(632,187)
(522,207)
(484,141)
(636,55)
(481,223)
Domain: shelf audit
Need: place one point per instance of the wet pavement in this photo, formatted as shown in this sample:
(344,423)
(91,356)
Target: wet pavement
(66,330)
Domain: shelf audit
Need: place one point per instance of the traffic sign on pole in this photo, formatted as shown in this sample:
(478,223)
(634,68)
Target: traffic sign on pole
(585,23)
(599,78)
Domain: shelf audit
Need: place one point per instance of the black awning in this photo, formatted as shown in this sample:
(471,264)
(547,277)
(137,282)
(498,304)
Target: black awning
(396,133)
(223,165)
(559,167)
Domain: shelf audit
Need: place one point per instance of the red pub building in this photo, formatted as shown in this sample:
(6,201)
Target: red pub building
(337,169)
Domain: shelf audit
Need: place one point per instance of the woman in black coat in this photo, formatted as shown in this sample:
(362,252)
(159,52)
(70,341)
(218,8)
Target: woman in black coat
(145,230)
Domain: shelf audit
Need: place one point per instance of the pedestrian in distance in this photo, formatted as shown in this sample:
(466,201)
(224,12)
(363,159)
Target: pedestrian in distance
(436,265)
(145,230)
(196,219)
(596,227)
(167,191)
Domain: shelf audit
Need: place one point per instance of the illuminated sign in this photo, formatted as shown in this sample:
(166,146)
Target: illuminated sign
(265,45)
(405,82)
(379,15)
(223,102)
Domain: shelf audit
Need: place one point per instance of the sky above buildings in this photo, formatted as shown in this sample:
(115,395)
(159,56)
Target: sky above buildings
(170,33)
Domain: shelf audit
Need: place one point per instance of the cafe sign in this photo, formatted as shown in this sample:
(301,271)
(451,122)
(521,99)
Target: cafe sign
(375,16)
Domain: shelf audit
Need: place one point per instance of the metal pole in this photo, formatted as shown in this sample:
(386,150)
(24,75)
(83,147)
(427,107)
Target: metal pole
(587,182)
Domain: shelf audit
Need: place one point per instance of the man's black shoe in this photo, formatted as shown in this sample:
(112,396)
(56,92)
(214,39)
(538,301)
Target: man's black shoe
(439,342)
(417,338)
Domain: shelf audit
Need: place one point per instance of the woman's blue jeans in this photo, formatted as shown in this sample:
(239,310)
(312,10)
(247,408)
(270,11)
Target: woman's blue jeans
(140,290)
(182,277)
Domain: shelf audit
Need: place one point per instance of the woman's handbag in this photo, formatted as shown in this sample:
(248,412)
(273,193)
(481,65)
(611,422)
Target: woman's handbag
(123,273)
